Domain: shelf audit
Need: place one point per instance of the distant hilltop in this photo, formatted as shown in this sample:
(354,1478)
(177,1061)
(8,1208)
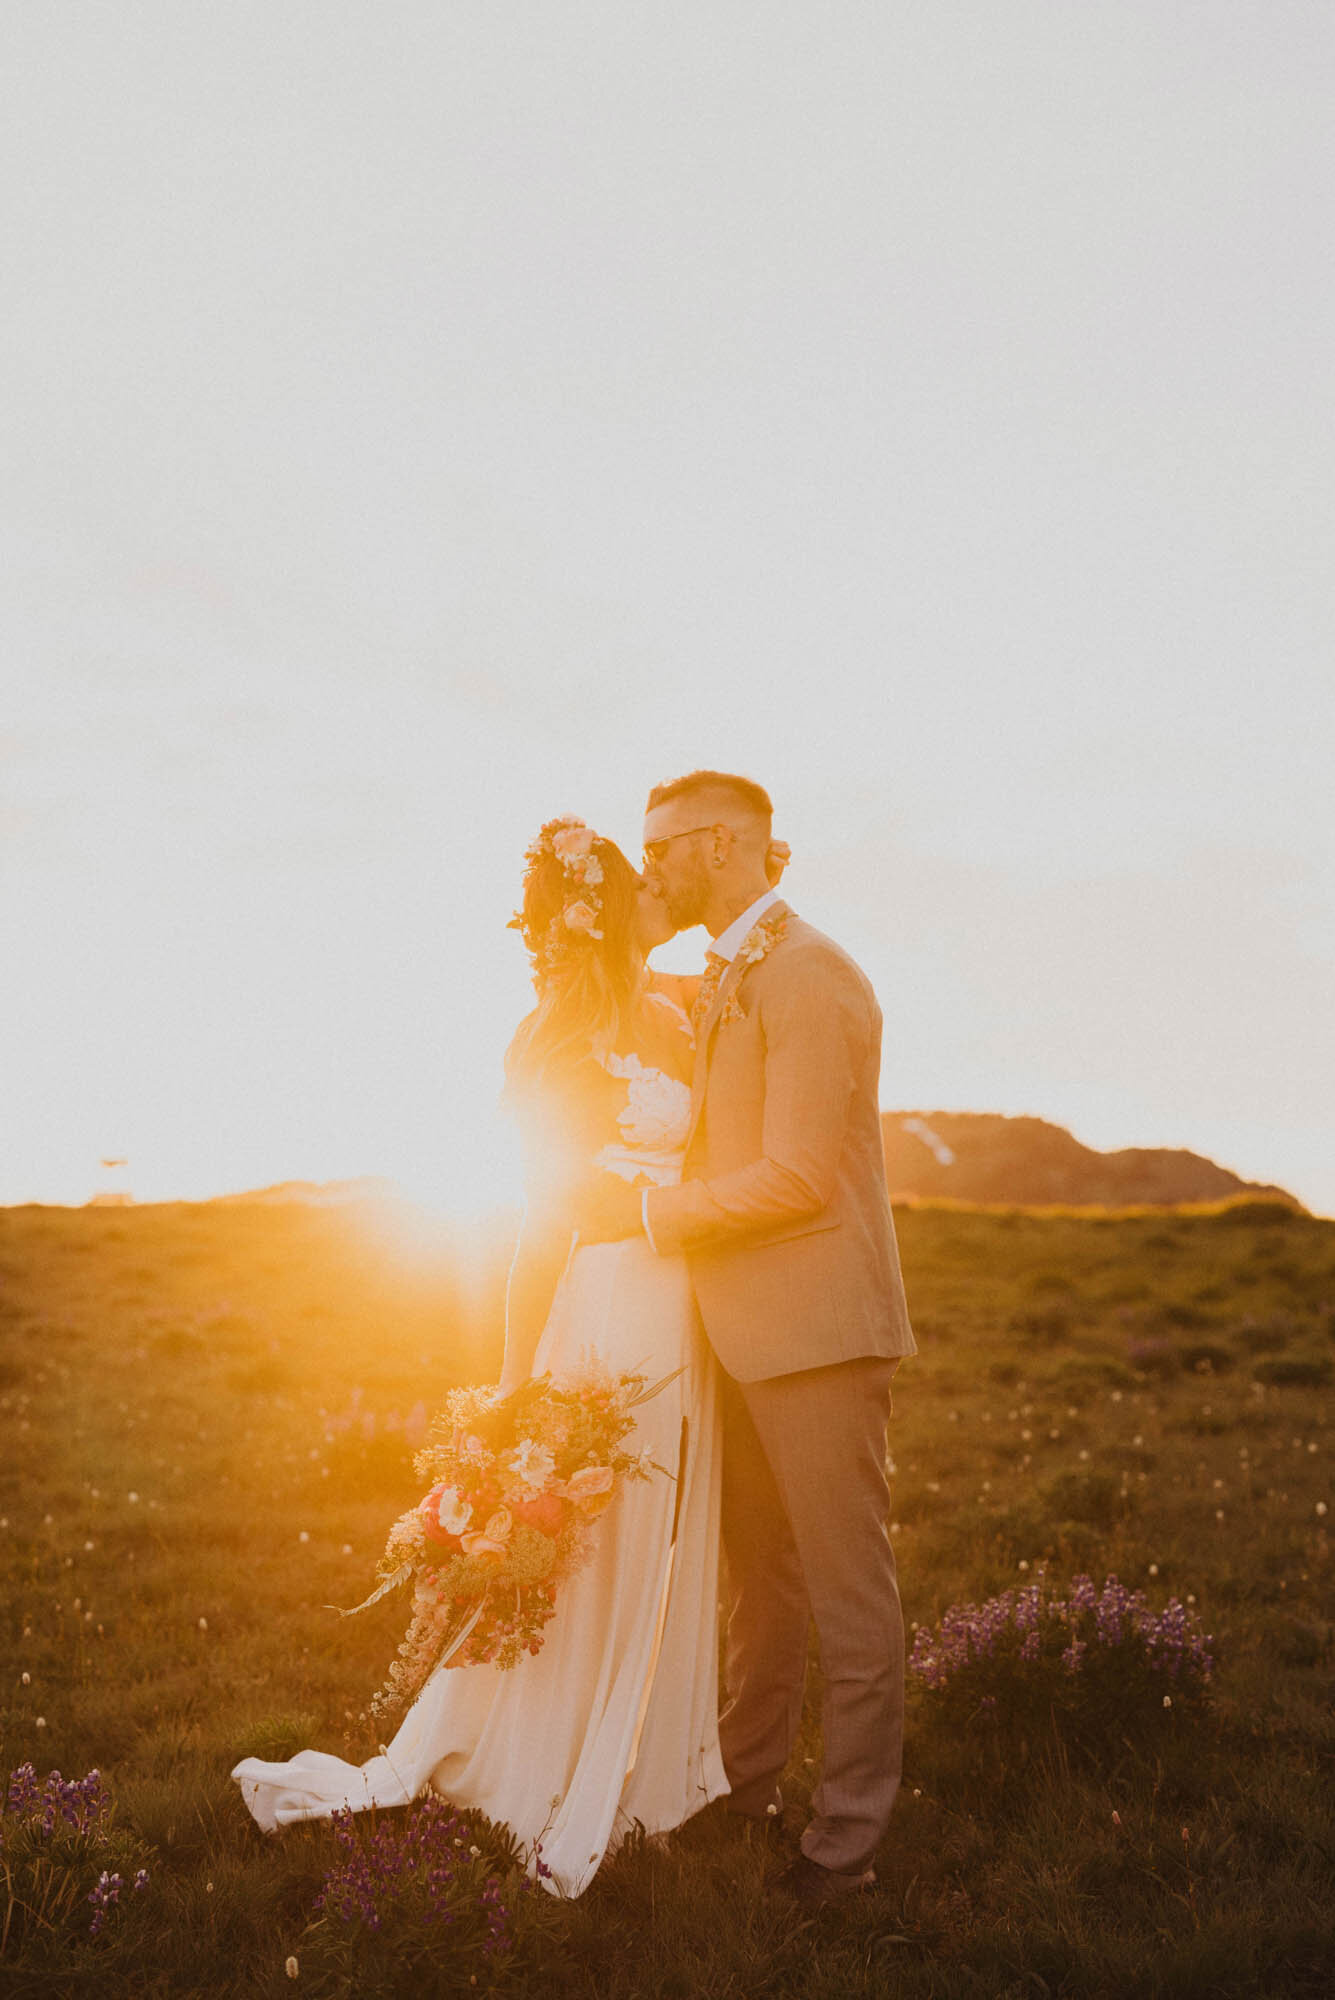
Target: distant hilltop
(982,1156)
(322,1194)
(967,1156)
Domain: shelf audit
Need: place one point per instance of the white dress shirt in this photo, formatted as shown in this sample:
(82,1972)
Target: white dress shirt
(726,946)
(728,943)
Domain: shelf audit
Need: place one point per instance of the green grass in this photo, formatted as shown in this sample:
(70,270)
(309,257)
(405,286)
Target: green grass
(1146,1393)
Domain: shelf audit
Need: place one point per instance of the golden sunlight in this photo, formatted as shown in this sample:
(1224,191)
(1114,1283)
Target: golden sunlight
(474,1178)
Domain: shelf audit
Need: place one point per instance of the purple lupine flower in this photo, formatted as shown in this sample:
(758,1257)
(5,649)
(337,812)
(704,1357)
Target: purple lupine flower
(1087,1619)
(80,1803)
(105,1892)
(23,1789)
(423,1850)
(1083,1595)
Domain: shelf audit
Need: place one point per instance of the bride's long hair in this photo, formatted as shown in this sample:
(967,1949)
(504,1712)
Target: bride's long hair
(577,920)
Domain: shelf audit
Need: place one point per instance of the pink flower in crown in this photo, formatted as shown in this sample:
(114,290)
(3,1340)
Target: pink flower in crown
(573,843)
(581,917)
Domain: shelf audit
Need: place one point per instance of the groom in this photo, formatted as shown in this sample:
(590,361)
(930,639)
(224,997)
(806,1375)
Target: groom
(785,1223)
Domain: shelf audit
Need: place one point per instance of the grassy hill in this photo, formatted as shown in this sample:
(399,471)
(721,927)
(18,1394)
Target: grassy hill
(204,1414)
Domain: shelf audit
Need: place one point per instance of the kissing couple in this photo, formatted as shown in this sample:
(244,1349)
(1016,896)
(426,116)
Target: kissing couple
(706,1206)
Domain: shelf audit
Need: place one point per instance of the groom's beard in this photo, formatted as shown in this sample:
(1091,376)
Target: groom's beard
(686,902)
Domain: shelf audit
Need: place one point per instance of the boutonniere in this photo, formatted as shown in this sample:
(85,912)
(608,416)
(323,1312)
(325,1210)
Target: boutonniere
(758,943)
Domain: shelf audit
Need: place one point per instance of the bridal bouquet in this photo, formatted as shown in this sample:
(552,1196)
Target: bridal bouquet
(516,1483)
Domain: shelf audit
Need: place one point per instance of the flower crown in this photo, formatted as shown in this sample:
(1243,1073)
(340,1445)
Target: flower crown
(569,841)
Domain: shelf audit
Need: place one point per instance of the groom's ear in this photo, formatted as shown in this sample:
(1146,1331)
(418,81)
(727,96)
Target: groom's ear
(725,840)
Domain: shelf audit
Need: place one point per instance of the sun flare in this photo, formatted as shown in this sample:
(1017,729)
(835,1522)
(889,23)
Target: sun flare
(475,1178)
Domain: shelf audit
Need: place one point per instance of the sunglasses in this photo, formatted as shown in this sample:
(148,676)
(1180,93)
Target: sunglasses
(654,850)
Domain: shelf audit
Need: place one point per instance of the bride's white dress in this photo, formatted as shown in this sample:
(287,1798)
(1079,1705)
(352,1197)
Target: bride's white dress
(615,1722)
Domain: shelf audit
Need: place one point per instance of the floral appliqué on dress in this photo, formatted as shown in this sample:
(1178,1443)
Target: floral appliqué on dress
(653,1125)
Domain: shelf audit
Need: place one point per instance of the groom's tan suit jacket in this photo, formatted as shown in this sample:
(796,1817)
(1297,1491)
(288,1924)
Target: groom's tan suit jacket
(783,1212)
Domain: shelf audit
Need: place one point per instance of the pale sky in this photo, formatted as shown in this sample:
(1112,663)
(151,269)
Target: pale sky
(422,419)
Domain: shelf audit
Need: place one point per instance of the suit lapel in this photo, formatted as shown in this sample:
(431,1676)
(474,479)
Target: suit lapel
(705,1035)
(704,1044)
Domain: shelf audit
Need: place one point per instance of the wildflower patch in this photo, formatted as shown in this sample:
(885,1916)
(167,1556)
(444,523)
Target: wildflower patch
(431,1888)
(1099,1658)
(66,1868)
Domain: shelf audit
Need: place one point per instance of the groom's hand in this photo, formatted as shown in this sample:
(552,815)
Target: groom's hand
(609,1210)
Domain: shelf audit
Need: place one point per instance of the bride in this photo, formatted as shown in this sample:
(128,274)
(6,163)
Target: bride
(614,1722)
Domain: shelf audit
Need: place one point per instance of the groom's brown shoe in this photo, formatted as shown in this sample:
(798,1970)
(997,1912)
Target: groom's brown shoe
(816,1888)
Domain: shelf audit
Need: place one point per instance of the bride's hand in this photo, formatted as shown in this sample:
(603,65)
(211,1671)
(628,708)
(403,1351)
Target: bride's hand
(609,1210)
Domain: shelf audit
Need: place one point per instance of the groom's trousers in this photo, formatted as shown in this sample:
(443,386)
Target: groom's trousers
(805,1501)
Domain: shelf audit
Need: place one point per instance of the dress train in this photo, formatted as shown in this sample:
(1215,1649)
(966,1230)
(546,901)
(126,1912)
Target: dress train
(613,1723)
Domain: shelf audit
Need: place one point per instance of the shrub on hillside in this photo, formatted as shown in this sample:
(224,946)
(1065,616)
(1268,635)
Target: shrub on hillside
(1094,1371)
(1302,1643)
(1154,1357)
(1268,1336)
(274,1737)
(1182,1313)
(1207,1357)
(1295,1371)
(1050,1283)
(1097,1664)
(1045,1325)
(1094,1498)
(1272,1211)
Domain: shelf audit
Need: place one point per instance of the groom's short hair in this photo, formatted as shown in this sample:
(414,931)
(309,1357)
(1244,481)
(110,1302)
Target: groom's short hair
(744,793)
